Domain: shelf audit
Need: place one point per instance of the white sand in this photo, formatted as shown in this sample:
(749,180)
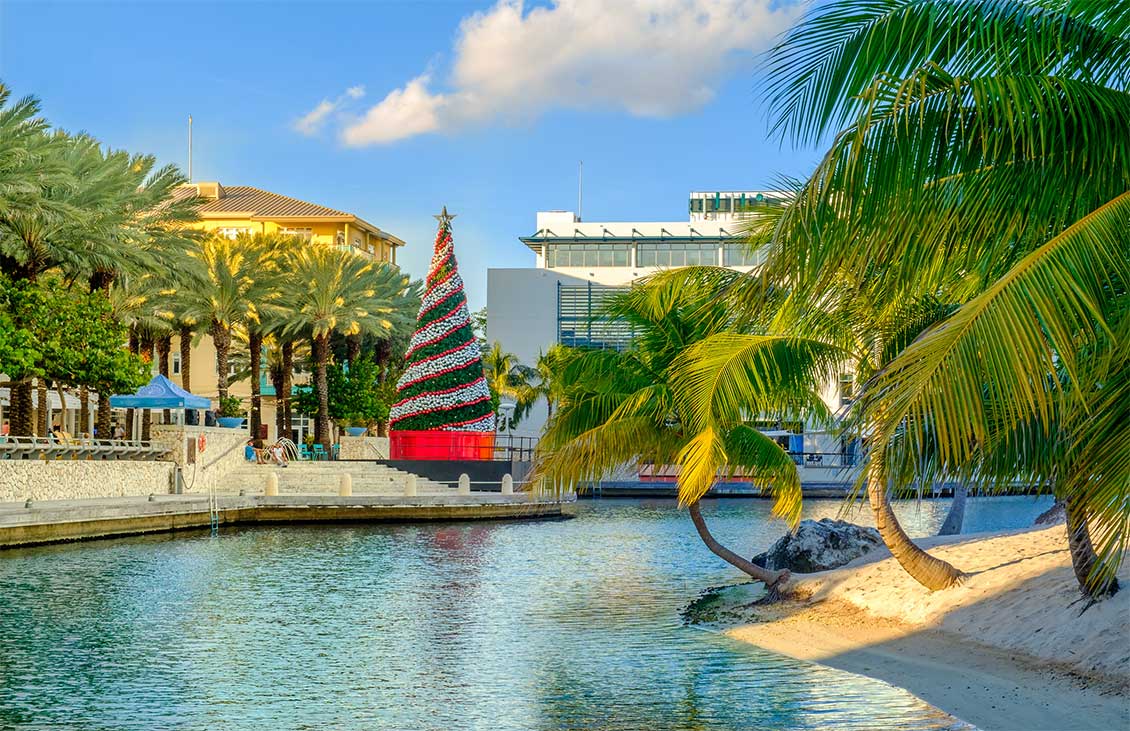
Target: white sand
(1007,649)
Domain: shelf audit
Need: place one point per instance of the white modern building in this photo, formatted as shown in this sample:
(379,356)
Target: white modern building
(577,264)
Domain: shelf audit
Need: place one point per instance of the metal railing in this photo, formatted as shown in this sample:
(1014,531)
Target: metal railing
(19,447)
(837,460)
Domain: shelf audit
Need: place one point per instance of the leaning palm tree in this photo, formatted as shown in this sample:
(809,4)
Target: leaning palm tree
(636,406)
(982,158)
(330,290)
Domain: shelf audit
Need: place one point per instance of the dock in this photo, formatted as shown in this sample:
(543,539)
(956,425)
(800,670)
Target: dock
(54,521)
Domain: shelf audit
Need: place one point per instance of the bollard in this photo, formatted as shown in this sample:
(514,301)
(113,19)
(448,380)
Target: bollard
(464,484)
(345,485)
(507,484)
(272,487)
(410,486)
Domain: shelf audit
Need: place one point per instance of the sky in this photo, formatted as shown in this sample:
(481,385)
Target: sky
(392,110)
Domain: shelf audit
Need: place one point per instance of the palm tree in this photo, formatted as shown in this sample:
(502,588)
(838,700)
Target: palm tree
(330,290)
(544,380)
(640,405)
(221,301)
(508,379)
(981,158)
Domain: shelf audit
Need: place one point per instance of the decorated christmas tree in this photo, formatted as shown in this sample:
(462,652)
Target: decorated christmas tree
(443,388)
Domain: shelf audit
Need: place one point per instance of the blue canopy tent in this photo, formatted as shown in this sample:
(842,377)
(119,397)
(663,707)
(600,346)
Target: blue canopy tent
(160,393)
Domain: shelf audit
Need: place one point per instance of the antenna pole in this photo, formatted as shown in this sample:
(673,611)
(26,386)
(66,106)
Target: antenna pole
(190,148)
(580,190)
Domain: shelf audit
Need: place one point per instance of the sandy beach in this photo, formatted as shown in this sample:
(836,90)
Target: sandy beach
(1007,649)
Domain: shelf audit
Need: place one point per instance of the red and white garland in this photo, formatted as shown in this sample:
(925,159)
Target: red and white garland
(451,398)
(437,365)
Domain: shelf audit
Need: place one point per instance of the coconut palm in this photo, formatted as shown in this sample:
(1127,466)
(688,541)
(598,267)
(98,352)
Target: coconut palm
(981,158)
(544,380)
(636,407)
(330,290)
(509,379)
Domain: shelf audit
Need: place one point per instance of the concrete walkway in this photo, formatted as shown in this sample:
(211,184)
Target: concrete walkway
(36,522)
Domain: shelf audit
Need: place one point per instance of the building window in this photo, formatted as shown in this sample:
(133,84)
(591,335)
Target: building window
(231,232)
(306,234)
(581,322)
(742,255)
(677,255)
(588,255)
(176,364)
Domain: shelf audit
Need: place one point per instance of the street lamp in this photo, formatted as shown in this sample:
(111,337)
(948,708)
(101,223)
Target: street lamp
(506,412)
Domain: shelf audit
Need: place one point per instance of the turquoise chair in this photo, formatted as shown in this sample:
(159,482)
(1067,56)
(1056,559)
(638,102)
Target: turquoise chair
(303,451)
(320,451)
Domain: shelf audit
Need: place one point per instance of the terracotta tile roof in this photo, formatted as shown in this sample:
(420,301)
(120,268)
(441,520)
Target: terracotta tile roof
(258,202)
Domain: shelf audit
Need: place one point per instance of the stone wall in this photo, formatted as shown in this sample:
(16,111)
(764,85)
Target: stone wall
(202,471)
(363,447)
(34,479)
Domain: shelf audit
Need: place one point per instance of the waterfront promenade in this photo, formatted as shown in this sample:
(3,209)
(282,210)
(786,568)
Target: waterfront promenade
(37,522)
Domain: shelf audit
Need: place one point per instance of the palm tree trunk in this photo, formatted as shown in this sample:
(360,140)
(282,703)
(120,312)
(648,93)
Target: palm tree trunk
(83,409)
(287,383)
(20,416)
(353,348)
(134,346)
(185,338)
(772,579)
(322,388)
(221,337)
(1083,557)
(164,345)
(103,416)
(44,412)
(956,515)
(931,572)
(255,353)
(147,414)
(276,376)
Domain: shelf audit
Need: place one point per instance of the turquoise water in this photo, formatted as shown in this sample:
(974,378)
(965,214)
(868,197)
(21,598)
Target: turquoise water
(551,625)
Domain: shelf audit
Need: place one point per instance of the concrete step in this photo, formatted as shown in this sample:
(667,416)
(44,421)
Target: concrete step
(305,478)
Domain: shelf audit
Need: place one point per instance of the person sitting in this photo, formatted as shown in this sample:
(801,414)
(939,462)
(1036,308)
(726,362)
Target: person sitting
(278,454)
(249,451)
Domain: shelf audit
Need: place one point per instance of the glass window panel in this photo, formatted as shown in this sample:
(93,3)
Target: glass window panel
(620,257)
(605,258)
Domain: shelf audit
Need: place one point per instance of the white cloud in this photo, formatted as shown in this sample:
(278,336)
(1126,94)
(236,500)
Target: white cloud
(652,58)
(311,122)
(403,113)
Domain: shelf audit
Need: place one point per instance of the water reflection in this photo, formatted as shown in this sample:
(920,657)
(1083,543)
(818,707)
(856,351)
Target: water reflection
(562,625)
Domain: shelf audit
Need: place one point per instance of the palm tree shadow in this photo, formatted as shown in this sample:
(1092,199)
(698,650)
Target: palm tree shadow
(1014,561)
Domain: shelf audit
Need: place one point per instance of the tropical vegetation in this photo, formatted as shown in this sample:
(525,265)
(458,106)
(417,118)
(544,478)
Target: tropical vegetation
(963,243)
(100,268)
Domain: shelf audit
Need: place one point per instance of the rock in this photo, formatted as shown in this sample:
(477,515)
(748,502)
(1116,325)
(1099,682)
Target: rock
(1051,516)
(723,604)
(819,546)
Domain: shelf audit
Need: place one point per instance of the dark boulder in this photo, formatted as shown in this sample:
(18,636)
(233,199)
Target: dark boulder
(819,546)
(1051,516)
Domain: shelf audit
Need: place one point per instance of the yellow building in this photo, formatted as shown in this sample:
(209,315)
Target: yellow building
(242,209)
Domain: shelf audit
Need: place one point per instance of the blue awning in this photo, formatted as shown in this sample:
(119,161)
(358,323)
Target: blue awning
(160,393)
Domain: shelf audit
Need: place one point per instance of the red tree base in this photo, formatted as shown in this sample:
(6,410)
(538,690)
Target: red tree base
(451,445)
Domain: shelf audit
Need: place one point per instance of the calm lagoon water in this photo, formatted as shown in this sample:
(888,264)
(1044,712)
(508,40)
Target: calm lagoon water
(553,625)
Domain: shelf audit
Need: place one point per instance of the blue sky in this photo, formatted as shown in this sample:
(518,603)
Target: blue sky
(483,107)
